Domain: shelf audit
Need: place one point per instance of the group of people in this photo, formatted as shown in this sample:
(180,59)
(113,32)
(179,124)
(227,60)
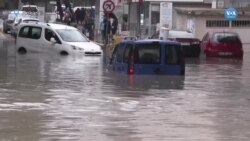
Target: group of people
(108,27)
(83,17)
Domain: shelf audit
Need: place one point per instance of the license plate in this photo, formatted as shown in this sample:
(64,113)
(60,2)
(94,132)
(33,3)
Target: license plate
(185,44)
(225,53)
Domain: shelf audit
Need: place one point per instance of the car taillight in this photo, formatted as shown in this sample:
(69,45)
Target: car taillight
(131,65)
(131,70)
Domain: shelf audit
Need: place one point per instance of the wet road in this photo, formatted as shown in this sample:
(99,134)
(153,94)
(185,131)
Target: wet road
(48,97)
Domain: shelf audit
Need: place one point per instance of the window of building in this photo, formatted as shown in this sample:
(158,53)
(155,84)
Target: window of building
(217,23)
(241,23)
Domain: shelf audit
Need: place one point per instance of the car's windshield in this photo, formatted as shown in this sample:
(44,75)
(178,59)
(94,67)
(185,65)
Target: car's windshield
(71,35)
(226,38)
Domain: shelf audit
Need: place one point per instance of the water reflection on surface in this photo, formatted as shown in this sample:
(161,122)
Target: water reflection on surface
(49,97)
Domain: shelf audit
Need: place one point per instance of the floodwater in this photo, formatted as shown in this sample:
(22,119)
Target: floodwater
(49,97)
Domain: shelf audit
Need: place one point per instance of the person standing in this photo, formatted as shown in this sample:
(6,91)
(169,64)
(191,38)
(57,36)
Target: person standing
(82,15)
(77,15)
(102,29)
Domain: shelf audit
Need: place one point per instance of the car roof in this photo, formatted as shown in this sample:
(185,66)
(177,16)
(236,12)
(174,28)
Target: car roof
(60,26)
(180,34)
(52,25)
(148,41)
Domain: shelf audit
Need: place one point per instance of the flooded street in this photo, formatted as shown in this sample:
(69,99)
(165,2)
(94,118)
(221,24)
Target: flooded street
(49,97)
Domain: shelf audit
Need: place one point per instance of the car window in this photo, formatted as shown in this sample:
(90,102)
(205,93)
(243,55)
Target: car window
(49,34)
(173,54)
(24,31)
(127,52)
(71,35)
(30,32)
(36,32)
(226,38)
(147,53)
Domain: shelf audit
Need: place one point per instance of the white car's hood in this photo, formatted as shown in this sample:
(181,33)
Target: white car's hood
(86,46)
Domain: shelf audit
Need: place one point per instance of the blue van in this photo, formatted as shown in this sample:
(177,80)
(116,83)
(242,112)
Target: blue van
(148,57)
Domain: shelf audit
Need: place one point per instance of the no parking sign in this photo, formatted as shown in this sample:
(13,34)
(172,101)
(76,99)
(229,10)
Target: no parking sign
(108,6)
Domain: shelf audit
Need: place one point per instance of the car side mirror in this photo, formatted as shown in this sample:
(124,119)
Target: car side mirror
(53,40)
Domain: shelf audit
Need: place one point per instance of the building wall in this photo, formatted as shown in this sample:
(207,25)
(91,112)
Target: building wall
(201,29)
(235,3)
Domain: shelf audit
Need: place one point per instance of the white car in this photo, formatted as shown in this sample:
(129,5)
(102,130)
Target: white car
(18,21)
(48,37)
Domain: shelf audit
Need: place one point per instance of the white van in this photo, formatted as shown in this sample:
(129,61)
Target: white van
(48,37)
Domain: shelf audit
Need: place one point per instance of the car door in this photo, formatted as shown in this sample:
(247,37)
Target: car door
(35,40)
(118,58)
(50,45)
(30,38)
(147,58)
(174,60)
(127,58)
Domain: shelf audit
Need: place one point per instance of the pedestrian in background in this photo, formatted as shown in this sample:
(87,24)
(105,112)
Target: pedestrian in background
(102,29)
(82,15)
(77,15)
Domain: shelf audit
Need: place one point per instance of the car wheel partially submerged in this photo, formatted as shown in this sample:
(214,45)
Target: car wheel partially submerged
(22,50)
(64,53)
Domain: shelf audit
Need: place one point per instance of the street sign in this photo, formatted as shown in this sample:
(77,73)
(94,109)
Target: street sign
(231,14)
(108,6)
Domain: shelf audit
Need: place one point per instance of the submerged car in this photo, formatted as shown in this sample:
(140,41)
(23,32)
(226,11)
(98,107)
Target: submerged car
(222,44)
(190,44)
(148,57)
(48,37)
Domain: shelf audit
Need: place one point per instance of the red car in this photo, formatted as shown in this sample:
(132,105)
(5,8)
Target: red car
(222,44)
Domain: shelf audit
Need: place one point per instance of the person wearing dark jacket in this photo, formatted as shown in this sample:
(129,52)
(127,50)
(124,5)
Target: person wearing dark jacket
(77,15)
(82,15)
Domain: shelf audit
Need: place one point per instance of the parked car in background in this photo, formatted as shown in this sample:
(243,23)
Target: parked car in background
(148,57)
(18,21)
(222,44)
(48,37)
(7,25)
(8,21)
(31,10)
(190,44)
